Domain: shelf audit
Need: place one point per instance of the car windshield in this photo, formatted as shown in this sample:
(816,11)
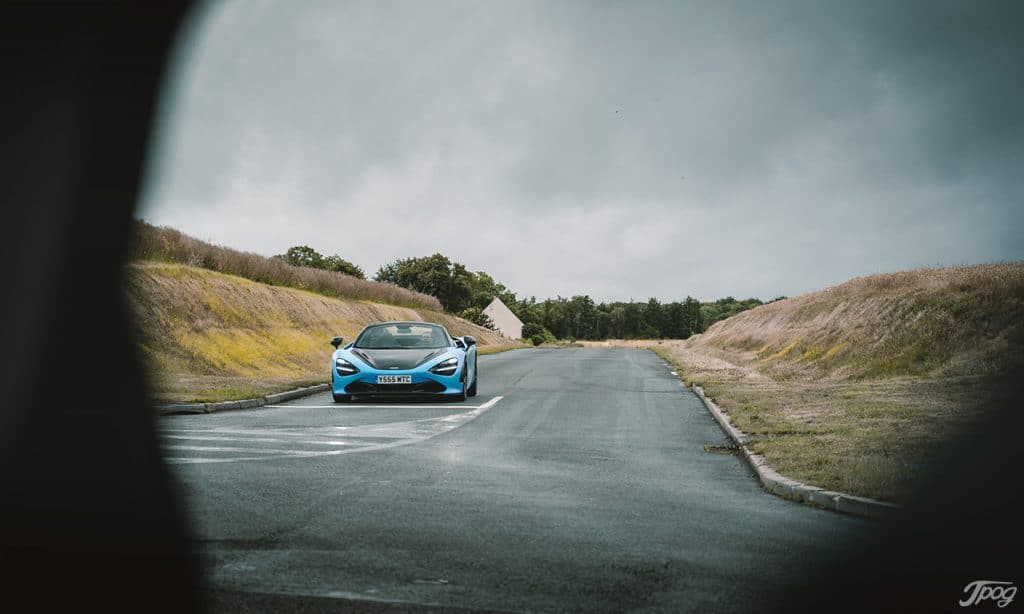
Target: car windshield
(402,336)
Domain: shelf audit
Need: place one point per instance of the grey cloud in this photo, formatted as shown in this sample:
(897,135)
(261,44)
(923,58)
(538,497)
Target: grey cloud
(616,149)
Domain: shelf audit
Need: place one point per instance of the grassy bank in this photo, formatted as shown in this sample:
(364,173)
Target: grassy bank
(207,336)
(856,388)
(167,245)
(484,350)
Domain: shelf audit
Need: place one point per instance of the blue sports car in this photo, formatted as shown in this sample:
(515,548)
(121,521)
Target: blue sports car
(404,358)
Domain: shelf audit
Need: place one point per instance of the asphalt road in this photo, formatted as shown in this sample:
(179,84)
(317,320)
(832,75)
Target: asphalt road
(579,479)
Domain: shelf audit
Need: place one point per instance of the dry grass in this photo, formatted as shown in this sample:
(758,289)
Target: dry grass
(856,387)
(168,245)
(954,320)
(560,344)
(497,349)
(622,343)
(208,336)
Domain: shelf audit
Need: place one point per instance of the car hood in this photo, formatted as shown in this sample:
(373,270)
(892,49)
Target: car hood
(397,359)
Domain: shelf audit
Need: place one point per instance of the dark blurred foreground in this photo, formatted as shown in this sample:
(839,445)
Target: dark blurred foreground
(88,516)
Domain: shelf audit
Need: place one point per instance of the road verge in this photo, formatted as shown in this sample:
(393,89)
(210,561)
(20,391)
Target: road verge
(787,488)
(168,409)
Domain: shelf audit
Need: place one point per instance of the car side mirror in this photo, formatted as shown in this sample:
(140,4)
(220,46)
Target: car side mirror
(337,341)
(459,343)
(469,341)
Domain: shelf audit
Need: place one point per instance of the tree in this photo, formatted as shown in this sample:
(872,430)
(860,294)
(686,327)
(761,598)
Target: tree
(653,319)
(581,317)
(677,325)
(483,289)
(304,255)
(630,320)
(553,317)
(339,265)
(435,275)
(617,321)
(603,323)
(526,310)
(693,317)
(388,273)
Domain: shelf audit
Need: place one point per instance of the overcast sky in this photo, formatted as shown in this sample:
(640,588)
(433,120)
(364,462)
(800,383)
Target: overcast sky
(622,150)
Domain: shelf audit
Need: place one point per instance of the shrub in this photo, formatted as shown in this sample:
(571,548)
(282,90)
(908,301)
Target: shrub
(477,316)
(537,334)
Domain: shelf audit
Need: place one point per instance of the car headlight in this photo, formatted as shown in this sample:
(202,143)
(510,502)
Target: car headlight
(446,367)
(344,367)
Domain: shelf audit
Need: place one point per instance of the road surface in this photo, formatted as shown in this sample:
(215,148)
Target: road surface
(579,479)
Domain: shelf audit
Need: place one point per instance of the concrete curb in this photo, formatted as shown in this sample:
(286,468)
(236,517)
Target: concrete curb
(786,488)
(209,408)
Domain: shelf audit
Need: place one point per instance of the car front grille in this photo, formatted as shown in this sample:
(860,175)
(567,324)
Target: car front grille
(420,388)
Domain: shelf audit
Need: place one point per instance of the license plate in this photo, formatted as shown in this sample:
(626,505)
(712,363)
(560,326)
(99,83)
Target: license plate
(394,379)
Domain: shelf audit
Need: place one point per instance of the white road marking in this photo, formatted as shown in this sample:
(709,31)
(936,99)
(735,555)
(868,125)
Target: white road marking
(297,432)
(419,432)
(362,406)
(200,438)
(249,450)
(205,461)
(314,442)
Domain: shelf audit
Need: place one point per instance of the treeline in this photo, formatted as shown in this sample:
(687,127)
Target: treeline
(467,293)
(580,318)
(727,307)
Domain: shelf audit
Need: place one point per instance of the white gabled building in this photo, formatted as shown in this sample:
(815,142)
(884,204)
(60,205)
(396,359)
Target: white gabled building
(505,322)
